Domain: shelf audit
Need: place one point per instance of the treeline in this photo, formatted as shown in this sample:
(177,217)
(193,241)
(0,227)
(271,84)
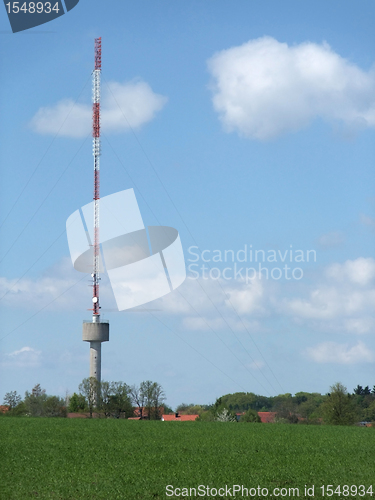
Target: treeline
(36,404)
(147,401)
(105,399)
(336,407)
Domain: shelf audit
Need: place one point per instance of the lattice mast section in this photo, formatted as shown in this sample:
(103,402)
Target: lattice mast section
(96,152)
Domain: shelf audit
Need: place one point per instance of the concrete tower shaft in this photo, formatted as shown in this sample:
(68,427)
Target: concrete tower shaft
(95,333)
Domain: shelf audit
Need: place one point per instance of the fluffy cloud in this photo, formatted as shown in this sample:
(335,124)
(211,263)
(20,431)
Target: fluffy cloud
(246,298)
(24,357)
(265,88)
(212,304)
(341,299)
(332,352)
(331,302)
(360,271)
(131,104)
(59,288)
(360,325)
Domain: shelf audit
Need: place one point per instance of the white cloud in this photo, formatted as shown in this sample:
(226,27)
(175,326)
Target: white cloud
(26,357)
(332,239)
(360,271)
(59,288)
(332,352)
(131,104)
(331,302)
(360,325)
(248,298)
(214,304)
(265,88)
(340,299)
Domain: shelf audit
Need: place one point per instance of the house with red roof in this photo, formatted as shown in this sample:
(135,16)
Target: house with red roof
(267,417)
(141,412)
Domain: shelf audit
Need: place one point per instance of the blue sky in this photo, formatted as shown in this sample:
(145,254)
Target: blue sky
(253,125)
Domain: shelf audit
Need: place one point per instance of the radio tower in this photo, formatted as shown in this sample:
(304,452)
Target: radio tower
(96,331)
(96,152)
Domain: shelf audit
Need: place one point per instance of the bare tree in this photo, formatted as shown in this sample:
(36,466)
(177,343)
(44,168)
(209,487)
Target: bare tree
(137,398)
(153,396)
(148,398)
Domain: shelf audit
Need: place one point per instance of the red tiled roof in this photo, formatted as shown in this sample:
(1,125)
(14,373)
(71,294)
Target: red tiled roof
(267,417)
(4,408)
(137,411)
(180,418)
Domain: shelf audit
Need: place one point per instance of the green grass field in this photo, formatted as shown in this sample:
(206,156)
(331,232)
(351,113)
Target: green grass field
(120,459)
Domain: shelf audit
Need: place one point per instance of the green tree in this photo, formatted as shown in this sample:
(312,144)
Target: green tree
(153,396)
(167,409)
(183,407)
(242,401)
(206,416)
(77,403)
(35,400)
(339,407)
(19,411)
(195,410)
(12,399)
(250,416)
(286,408)
(370,413)
(191,409)
(90,389)
(359,390)
(54,406)
(115,400)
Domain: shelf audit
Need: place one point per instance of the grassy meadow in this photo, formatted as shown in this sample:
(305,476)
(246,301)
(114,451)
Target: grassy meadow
(129,460)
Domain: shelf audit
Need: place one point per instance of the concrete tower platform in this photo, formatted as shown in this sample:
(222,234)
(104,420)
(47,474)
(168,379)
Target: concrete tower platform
(95,333)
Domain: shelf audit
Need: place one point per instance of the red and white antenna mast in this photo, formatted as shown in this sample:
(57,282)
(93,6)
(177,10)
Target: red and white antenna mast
(96,153)
(96,331)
